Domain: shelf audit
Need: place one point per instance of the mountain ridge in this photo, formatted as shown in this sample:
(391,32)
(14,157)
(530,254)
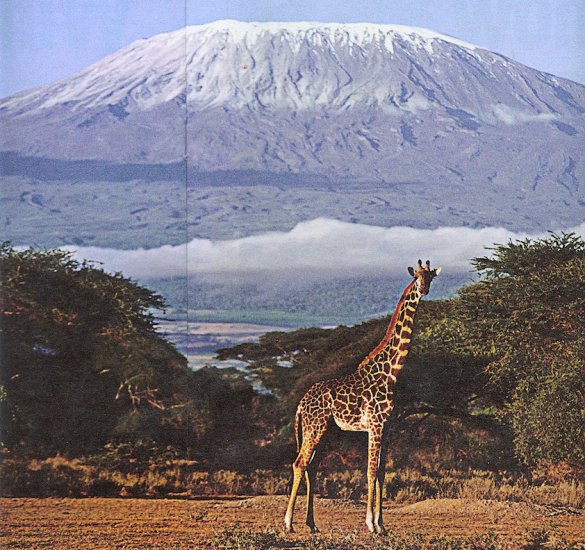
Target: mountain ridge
(320,68)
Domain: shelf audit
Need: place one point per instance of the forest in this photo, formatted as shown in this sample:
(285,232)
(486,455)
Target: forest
(94,402)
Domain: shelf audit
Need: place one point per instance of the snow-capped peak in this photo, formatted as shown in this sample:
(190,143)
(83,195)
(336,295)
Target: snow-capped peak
(365,101)
(233,63)
(357,33)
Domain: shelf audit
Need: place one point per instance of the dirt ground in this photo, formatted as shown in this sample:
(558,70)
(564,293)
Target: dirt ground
(173,523)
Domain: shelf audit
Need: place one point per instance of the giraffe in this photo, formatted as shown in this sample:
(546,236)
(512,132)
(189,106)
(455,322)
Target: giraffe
(361,401)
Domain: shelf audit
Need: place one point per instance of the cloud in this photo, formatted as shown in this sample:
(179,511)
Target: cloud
(508,115)
(320,247)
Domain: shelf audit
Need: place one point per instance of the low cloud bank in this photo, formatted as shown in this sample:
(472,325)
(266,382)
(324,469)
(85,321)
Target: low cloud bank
(317,248)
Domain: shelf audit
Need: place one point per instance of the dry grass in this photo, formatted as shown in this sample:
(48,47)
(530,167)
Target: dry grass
(236,537)
(58,476)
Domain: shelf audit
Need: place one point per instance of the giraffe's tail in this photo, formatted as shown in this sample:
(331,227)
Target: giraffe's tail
(298,428)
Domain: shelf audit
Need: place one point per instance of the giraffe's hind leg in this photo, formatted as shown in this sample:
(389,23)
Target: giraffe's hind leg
(311,438)
(311,479)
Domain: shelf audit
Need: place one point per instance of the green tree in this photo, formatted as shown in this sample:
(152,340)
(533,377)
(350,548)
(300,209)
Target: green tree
(81,359)
(527,314)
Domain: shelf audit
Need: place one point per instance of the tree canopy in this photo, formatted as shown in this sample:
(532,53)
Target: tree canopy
(82,364)
(527,314)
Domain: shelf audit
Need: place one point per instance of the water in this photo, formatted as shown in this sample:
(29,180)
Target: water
(199,343)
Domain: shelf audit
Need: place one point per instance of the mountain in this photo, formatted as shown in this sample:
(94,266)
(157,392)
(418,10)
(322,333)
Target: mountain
(433,130)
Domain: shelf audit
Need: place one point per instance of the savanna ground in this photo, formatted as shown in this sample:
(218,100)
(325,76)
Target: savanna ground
(255,522)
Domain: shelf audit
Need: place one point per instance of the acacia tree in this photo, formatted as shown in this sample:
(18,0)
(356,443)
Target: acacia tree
(79,354)
(528,315)
(83,365)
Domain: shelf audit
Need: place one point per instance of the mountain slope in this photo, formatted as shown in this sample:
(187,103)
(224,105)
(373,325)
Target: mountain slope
(372,104)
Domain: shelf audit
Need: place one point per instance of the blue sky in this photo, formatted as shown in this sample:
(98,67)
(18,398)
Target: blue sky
(45,40)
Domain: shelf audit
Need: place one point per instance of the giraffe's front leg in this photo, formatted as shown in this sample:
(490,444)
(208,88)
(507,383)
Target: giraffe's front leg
(374,448)
(378,521)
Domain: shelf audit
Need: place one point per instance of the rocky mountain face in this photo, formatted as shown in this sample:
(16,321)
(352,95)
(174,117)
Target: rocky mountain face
(469,135)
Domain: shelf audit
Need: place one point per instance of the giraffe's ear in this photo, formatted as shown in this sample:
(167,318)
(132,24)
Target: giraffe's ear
(437,270)
(411,271)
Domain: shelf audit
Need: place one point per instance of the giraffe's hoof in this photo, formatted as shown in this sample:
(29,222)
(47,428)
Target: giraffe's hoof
(381,530)
(314,529)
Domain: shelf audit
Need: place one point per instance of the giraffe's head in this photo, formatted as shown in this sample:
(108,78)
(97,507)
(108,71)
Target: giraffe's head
(424,276)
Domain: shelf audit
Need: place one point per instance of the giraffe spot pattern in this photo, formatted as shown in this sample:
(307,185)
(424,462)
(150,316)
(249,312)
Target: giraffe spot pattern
(362,400)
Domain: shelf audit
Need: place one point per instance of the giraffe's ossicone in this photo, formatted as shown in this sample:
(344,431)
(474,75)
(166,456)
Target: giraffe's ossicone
(361,401)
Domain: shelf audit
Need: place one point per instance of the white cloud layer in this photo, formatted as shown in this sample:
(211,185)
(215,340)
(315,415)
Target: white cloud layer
(318,247)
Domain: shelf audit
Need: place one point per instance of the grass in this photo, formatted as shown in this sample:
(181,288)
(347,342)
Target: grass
(59,476)
(257,523)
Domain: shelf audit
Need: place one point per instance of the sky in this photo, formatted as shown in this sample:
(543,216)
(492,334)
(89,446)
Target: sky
(45,40)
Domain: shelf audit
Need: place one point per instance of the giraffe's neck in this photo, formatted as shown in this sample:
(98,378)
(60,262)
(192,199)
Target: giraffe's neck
(388,357)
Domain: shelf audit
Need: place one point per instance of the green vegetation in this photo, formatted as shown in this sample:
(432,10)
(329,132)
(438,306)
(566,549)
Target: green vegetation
(82,365)
(264,317)
(291,301)
(528,316)
(490,404)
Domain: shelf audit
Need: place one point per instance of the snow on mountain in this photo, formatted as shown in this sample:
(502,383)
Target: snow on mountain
(224,61)
(336,102)
(317,68)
